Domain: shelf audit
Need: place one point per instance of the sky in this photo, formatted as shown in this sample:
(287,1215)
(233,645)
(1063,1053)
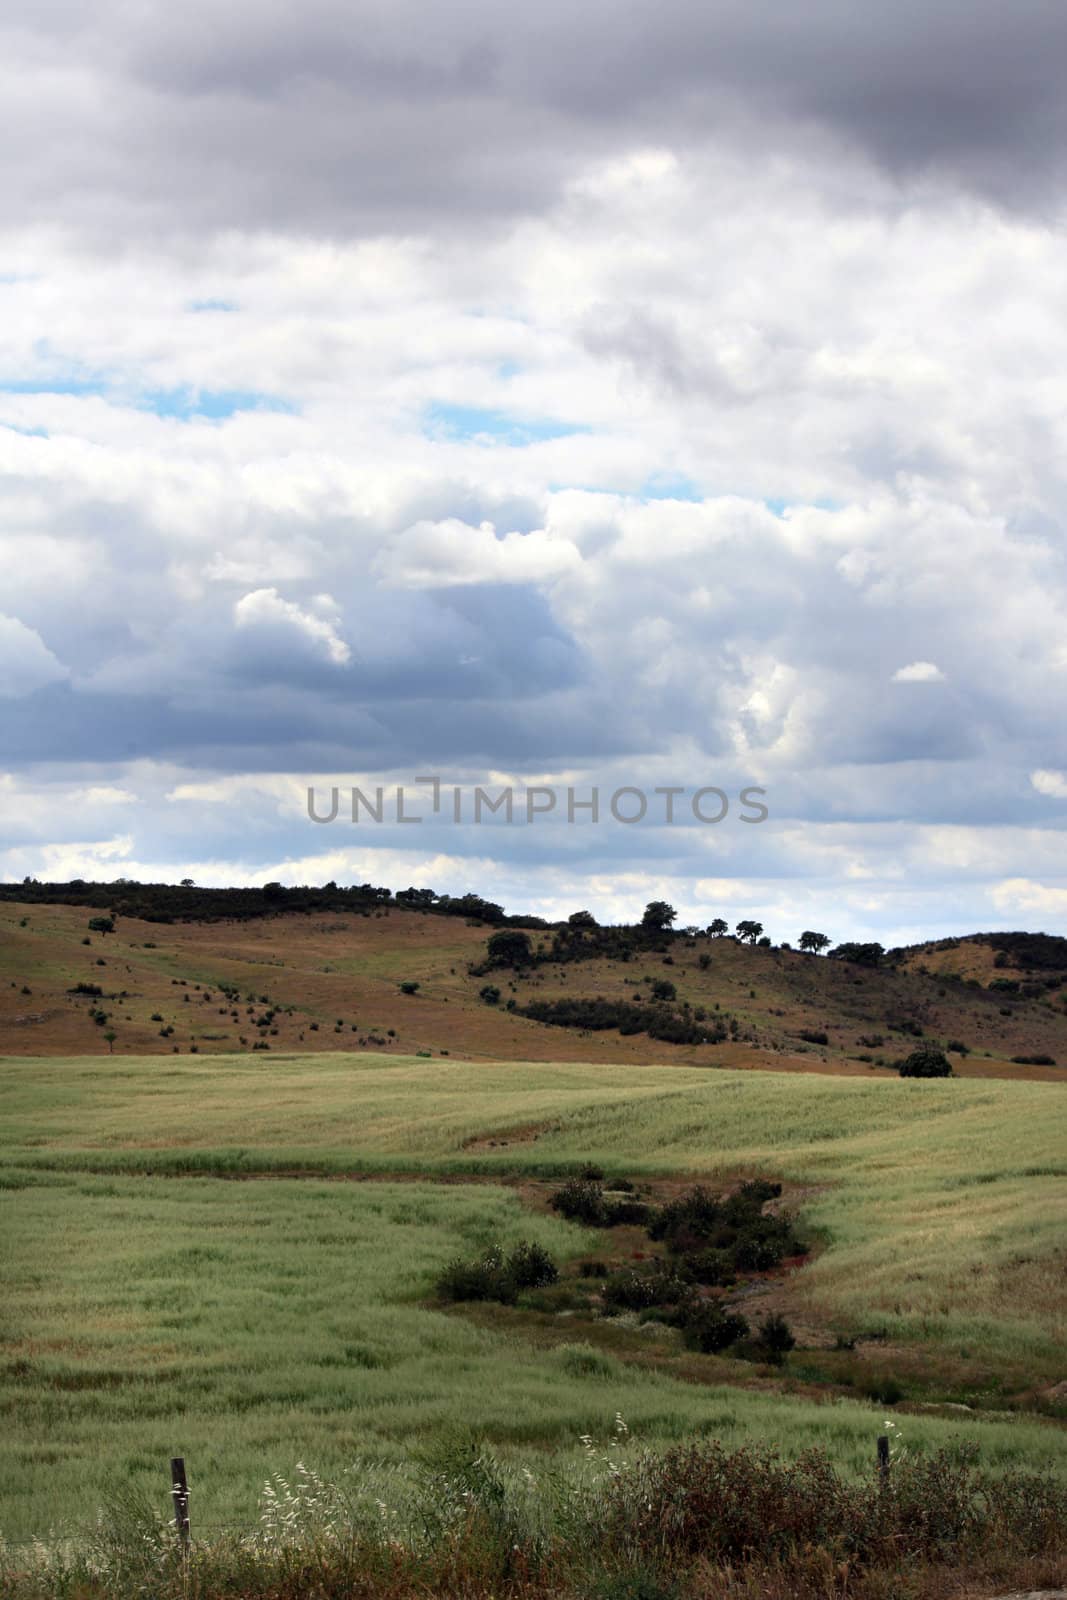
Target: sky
(624,396)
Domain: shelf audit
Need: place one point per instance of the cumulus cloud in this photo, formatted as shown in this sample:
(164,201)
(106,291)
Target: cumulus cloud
(437,555)
(1024,896)
(591,389)
(275,621)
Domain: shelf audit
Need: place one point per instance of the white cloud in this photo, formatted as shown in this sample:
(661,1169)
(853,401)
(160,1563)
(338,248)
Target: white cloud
(265,609)
(433,555)
(919,672)
(1053,784)
(1023,895)
(103,794)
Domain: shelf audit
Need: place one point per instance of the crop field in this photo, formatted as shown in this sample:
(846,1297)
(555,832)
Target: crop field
(192,1268)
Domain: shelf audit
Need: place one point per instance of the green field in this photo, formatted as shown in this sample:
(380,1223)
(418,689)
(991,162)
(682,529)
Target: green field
(154,1306)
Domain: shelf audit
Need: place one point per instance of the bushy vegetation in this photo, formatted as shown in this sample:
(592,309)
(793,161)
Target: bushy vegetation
(926,1063)
(584,1200)
(734,1230)
(697,1522)
(745,1505)
(709,1327)
(658,1020)
(496,1275)
(710,1240)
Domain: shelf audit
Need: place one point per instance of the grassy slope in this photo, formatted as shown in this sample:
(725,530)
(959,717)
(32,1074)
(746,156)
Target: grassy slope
(348,969)
(254,1324)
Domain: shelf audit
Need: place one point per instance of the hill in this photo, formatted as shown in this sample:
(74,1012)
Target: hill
(357,969)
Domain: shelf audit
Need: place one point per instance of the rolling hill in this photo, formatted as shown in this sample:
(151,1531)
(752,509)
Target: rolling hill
(393,977)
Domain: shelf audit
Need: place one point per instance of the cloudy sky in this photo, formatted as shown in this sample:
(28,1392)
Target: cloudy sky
(631,394)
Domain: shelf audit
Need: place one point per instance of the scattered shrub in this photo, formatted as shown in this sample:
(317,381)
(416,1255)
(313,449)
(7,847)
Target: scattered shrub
(813,1036)
(531,1267)
(709,1328)
(775,1337)
(926,1063)
(495,1276)
(634,1290)
(581,1200)
(483,1279)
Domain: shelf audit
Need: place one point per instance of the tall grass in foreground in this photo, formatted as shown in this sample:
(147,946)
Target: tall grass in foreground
(694,1522)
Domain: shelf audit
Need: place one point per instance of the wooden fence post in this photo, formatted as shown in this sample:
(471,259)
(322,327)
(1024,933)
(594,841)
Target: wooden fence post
(179,1488)
(883,1457)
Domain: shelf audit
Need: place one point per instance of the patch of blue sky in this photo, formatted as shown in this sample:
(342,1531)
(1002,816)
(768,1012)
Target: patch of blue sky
(669,486)
(477,423)
(212,305)
(63,386)
(183,403)
(27,433)
(214,404)
(778,508)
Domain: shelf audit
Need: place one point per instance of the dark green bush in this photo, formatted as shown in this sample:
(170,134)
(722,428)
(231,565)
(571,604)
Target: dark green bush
(496,1276)
(531,1267)
(486,1278)
(634,1290)
(926,1063)
(709,1328)
(775,1337)
(712,1267)
(581,1200)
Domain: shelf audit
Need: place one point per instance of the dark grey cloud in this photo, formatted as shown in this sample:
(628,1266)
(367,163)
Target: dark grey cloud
(352,119)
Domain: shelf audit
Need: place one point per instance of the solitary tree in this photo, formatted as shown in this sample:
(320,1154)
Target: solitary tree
(658,915)
(815,942)
(749,931)
(101,924)
(926,1063)
(718,926)
(111,1036)
(581,919)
